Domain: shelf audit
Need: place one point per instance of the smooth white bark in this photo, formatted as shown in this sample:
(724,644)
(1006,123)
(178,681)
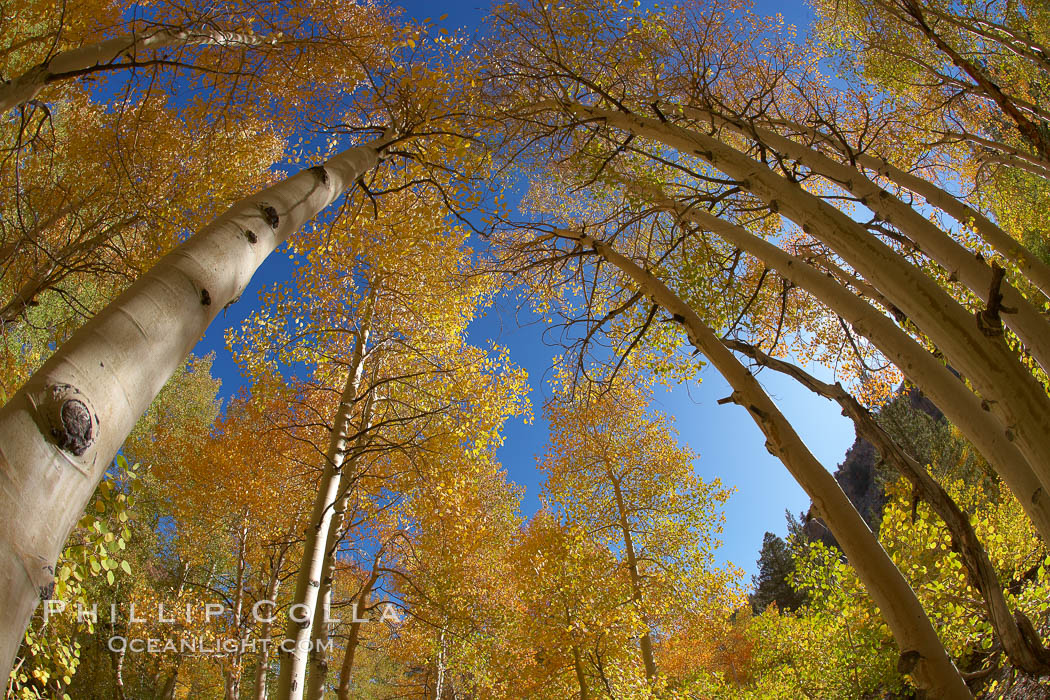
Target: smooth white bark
(960,405)
(1035,270)
(1011,391)
(291,683)
(318,662)
(60,432)
(974,273)
(68,64)
(922,654)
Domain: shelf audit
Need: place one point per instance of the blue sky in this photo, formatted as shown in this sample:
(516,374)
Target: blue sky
(731,447)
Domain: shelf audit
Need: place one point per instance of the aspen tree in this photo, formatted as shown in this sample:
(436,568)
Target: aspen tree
(361,607)
(921,653)
(615,469)
(1034,270)
(616,111)
(61,430)
(963,407)
(301,619)
(1015,631)
(981,64)
(1010,390)
(1025,319)
(341,520)
(119,53)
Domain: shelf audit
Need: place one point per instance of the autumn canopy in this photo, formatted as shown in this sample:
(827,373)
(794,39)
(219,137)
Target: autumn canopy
(348,191)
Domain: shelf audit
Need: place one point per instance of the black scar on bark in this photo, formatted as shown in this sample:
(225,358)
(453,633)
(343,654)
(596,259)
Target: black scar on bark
(48,589)
(908,661)
(72,424)
(250,235)
(321,172)
(270,214)
(205,298)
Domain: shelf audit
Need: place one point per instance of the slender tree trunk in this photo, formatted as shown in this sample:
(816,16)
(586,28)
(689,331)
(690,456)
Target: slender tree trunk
(995,371)
(1026,321)
(353,638)
(646,641)
(922,654)
(294,652)
(318,663)
(439,685)
(1035,270)
(581,679)
(59,432)
(262,668)
(233,670)
(964,409)
(1015,631)
(106,55)
(116,659)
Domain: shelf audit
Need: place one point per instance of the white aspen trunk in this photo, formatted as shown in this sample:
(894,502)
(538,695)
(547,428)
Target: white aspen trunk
(318,663)
(922,654)
(960,405)
(263,665)
(995,371)
(439,686)
(353,639)
(59,432)
(1014,630)
(1035,270)
(646,641)
(295,649)
(233,671)
(106,54)
(1027,322)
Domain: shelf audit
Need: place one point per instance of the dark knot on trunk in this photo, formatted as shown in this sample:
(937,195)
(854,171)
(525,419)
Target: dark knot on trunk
(68,419)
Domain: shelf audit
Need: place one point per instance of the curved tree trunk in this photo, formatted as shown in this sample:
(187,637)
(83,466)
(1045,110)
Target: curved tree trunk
(106,54)
(1011,391)
(1035,270)
(299,634)
(964,409)
(59,433)
(922,654)
(1014,630)
(973,272)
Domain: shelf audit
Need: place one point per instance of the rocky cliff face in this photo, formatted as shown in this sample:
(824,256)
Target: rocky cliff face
(862,477)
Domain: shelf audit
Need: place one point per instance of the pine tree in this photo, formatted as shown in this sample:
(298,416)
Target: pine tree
(772,584)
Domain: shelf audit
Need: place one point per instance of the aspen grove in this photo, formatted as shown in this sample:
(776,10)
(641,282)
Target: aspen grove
(350,352)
